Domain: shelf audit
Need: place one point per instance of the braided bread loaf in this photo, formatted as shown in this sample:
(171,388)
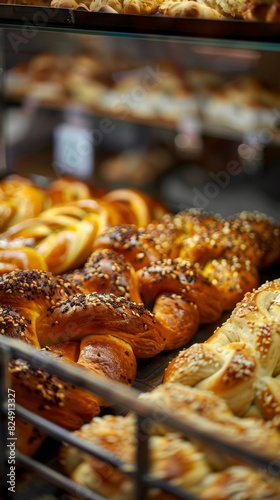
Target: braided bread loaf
(19,199)
(95,330)
(175,291)
(88,317)
(189,464)
(231,252)
(19,257)
(240,362)
(63,233)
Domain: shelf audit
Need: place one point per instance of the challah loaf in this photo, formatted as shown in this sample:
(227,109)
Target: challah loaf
(240,361)
(106,271)
(175,291)
(231,252)
(63,232)
(180,297)
(194,466)
(102,333)
(20,199)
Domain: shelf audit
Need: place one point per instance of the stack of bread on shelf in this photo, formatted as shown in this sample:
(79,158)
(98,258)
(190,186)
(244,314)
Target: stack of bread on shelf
(104,279)
(254,10)
(166,93)
(206,9)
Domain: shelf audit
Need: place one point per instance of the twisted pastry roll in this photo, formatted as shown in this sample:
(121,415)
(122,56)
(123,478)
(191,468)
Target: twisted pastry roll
(100,332)
(141,246)
(180,297)
(57,311)
(188,8)
(193,466)
(240,361)
(20,257)
(253,235)
(63,234)
(62,237)
(135,244)
(20,199)
(231,252)
(136,207)
(68,189)
(106,271)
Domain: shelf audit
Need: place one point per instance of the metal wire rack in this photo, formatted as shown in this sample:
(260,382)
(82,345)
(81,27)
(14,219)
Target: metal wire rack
(116,394)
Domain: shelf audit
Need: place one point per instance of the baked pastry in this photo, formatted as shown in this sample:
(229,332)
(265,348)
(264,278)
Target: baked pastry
(135,206)
(240,361)
(188,8)
(19,257)
(140,7)
(258,10)
(243,104)
(195,467)
(106,271)
(102,333)
(67,189)
(63,234)
(255,10)
(20,198)
(230,252)
(180,297)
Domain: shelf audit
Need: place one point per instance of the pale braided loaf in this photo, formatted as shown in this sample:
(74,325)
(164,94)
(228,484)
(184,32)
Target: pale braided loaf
(241,361)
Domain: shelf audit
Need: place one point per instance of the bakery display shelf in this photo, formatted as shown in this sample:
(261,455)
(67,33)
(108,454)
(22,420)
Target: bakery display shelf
(42,474)
(48,470)
(173,126)
(228,32)
(88,111)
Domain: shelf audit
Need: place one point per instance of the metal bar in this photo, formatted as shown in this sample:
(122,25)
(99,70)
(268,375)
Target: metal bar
(142,459)
(58,479)
(68,437)
(128,398)
(5,468)
(174,490)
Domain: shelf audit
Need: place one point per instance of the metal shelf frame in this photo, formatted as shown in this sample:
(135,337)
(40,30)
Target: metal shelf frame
(114,393)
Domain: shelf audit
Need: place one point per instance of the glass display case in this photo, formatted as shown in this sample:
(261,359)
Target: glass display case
(184,97)
(187,110)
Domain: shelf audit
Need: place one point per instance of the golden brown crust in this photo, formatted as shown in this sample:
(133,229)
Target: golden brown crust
(135,244)
(107,272)
(20,199)
(68,189)
(233,277)
(179,318)
(184,278)
(84,314)
(230,252)
(188,8)
(101,333)
(61,222)
(14,257)
(139,7)
(46,395)
(240,361)
(196,468)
